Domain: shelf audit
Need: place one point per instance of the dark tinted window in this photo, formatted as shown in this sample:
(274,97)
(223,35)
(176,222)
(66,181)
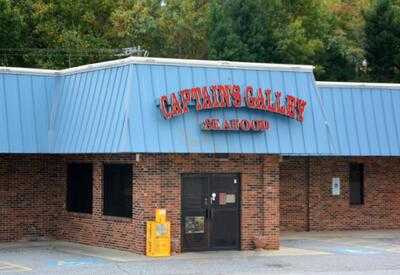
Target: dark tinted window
(117,190)
(356,182)
(79,187)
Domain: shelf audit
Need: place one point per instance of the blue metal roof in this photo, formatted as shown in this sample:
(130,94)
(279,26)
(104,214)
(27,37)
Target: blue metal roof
(184,135)
(112,107)
(25,101)
(90,112)
(364,119)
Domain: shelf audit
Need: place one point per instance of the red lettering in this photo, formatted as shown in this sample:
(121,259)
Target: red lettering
(186,98)
(211,124)
(224,95)
(258,125)
(250,101)
(262,125)
(176,106)
(227,125)
(215,96)
(260,102)
(253,125)
(244,125)
(164,107)
(196,95)
(214,124)
(235,124)
(270,106)
(301,106)
(206,124)
(206,98)
(278,108)
(291,104)
(236,96)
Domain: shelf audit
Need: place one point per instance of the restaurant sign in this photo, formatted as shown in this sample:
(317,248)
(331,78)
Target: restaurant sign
(231,96)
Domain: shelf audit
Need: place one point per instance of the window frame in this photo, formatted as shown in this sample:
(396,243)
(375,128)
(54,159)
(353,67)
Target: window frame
(360,200)
(106,210)
(69,205)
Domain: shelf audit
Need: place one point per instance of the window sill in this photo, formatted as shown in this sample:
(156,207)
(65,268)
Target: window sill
(117,219)
(356,205)
(80,215)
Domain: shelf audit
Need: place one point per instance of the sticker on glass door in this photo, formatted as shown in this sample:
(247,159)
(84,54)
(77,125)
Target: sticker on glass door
(194,224)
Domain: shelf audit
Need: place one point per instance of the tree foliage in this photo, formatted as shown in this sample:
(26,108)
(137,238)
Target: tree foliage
(287,31)
(241,31)
(382,46)
(334,35)
(11,32)
(183,29)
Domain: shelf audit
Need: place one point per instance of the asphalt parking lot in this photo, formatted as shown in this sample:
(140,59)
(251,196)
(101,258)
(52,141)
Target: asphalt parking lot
(370,252)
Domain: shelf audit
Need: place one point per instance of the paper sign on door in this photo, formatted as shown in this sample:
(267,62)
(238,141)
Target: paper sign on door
(222,198)
(226,198)
(230,198)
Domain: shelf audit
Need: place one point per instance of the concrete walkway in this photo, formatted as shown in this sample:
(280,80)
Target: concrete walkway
(355,252)
(358,234)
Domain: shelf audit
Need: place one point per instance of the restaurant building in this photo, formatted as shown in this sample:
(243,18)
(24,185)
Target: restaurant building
(235,152)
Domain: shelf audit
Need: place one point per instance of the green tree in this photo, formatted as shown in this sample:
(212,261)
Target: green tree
(339,61)
(310,33)
(283,31)
(242,31)
(58,34)
(11,34)
(71,33)
(183,28)
(344,54)
(348,18)
(382,45)
(136,23)
(326,33)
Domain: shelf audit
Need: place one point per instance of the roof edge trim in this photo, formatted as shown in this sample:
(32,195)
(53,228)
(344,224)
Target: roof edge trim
(31,71)
(220,63)
(366,85)
(165,62)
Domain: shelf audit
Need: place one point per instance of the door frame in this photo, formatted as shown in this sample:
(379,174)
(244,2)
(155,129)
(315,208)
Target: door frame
(239,200)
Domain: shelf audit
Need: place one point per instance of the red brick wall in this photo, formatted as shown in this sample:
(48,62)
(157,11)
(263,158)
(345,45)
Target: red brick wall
(293,194)
(156,183)
(381,209)
(33,188)
(29,194)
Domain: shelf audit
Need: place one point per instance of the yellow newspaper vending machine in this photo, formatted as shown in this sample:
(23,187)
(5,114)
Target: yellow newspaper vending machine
(158,235)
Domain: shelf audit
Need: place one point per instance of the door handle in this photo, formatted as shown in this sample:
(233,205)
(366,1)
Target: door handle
(213,197)
(209,214)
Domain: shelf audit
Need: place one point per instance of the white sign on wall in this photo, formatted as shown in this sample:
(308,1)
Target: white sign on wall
(335,186)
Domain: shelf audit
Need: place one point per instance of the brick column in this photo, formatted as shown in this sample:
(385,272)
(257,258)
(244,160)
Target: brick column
(97,190)
(147,196)
(270,203)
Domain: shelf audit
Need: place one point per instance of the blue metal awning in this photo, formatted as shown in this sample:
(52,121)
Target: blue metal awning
(113,107)
(364,118)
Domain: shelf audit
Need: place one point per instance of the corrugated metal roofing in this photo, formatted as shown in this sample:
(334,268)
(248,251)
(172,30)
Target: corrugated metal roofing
(183,134)
(111,107)
(90,112)
(364,117)
(25,101)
